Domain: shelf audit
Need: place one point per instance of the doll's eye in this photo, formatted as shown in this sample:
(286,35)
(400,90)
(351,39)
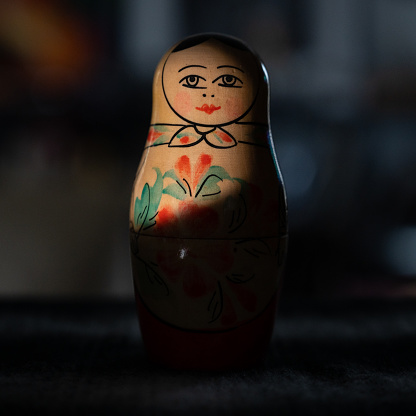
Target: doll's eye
(229,81)
(191,81)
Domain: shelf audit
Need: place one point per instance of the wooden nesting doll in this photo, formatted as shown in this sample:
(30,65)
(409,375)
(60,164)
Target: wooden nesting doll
(208,210)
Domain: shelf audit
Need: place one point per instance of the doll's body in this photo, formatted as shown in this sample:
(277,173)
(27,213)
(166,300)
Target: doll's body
(208,211)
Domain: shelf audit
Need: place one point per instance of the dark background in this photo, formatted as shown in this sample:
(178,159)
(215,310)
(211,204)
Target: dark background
(75,101)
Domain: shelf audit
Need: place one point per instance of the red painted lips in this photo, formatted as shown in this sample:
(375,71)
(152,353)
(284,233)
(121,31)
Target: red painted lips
(209,109)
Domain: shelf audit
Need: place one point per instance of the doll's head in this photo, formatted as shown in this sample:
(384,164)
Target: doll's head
(211,80)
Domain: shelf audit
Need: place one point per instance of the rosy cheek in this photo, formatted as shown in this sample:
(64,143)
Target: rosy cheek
(182,103)
(233,108)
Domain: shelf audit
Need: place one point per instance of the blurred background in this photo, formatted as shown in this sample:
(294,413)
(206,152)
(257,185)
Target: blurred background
(75,102)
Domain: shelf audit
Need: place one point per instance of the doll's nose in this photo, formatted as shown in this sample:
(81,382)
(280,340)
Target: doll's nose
(204,95)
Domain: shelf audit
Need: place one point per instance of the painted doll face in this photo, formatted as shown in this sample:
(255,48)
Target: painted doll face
(210,84)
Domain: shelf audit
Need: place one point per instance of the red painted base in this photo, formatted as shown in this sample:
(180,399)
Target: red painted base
(240,348)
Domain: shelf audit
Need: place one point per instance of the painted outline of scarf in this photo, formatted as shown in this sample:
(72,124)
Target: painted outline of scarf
(189,136)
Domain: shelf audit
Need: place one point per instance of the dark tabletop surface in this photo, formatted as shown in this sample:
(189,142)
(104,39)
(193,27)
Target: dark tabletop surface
(338,357)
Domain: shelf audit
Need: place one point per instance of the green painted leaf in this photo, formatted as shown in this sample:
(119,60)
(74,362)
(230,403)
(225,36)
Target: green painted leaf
(208,184)
(209,187)
(171,174)
(141,207)
(145,207)
(219,171)
(161,128)
(164,138)
(156,193)
(178,189)
(175,190)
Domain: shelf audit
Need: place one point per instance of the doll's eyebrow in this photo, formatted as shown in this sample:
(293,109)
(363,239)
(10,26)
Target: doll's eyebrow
(192,66)
(230,66)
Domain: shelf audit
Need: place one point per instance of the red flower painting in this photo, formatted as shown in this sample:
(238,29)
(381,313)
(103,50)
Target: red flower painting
(192,185)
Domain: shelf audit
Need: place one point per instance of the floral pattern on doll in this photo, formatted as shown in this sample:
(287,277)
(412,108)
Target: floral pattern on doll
(220,273)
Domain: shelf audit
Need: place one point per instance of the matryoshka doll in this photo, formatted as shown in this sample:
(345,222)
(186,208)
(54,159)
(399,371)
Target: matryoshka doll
(208,210)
